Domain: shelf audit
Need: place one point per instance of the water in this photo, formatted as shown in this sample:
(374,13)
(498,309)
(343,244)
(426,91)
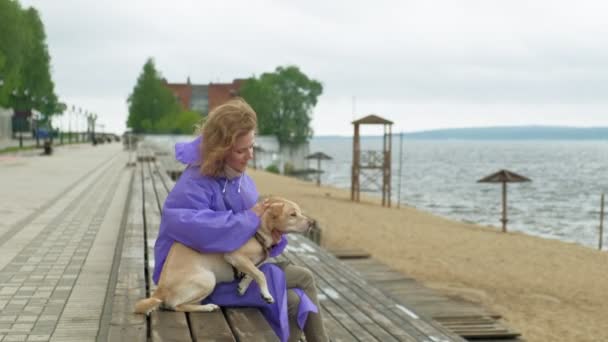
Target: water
(439,176)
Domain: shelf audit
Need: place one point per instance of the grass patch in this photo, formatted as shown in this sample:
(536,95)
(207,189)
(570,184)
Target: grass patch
(13,149)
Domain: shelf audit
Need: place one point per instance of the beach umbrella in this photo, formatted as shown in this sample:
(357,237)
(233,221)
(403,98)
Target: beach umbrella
(318,156)
(504,177)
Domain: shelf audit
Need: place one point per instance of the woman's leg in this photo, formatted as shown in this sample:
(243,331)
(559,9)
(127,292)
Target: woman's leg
(303,278)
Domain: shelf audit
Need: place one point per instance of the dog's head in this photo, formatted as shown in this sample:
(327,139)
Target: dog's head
(284,216)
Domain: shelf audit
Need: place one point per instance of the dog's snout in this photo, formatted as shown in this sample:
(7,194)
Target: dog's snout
(311,223)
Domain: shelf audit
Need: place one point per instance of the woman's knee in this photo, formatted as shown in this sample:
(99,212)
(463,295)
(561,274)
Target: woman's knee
(300,276)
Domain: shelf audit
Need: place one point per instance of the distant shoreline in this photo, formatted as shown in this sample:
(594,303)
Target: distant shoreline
(499,133)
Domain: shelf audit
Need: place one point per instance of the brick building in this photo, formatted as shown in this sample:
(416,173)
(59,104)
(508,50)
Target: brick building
(203,98)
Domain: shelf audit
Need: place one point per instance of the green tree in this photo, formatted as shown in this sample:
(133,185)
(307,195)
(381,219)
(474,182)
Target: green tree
(35,71)
(284,100)
(12,45)
(181,123)
(25,61)
(150,101)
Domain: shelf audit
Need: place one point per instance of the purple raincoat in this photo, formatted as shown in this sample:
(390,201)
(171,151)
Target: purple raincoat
(211,214)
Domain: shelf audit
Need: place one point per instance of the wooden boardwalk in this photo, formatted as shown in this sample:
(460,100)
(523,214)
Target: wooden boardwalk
(354,310)
(464,318)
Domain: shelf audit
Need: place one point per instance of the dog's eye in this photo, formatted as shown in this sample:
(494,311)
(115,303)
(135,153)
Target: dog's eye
(294,214)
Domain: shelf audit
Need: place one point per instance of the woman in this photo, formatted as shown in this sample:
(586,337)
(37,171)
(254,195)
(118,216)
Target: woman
(212,209)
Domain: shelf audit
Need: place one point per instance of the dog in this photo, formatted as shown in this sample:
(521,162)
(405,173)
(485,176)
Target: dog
(188,276)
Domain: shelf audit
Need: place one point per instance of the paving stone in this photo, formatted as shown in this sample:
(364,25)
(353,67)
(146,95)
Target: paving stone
(14,338)
(33,309)
(48,318)
(8,290)
(38,338)
(22,326)
(26,318)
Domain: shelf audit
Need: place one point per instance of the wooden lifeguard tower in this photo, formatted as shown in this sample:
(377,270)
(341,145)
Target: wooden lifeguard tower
(371,160)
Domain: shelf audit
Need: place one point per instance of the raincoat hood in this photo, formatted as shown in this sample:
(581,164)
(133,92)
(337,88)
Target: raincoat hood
(189,152)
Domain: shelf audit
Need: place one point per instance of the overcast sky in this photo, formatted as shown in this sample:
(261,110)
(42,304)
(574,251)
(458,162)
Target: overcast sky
(422,64)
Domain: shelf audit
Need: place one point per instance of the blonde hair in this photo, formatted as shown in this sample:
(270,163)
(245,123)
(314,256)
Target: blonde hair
(222,127)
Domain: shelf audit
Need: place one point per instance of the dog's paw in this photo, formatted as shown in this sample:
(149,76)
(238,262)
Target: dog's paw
(241,290)
(268,299)
(212,307)
(244,285)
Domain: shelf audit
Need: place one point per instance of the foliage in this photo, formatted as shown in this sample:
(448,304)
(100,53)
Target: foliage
(272,168)
(184,122)
(283,101)
(154,109)
(288,168)
(25,61)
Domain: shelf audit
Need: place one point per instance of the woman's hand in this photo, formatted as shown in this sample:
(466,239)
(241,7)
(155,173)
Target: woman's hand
(260,207)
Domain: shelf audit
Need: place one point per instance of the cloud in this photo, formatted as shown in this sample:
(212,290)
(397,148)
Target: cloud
(465,63)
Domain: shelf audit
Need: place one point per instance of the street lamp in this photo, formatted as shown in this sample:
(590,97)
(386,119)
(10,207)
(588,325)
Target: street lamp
(70,124)
(78,135)
(19,119)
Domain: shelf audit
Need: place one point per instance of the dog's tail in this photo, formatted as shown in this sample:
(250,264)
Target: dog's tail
(145,306)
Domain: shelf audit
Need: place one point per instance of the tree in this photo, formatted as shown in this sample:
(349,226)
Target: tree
(283,101)
(154,109)
(12,41)
(36,76)
(150,101)
(25,61)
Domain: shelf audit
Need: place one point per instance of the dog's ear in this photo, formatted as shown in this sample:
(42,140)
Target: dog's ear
(276,209)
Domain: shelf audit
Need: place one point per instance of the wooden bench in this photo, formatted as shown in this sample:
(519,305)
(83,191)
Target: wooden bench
(353,309)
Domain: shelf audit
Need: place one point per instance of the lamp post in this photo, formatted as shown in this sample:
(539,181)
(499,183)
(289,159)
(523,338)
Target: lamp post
(78,126)
(70,124)
(93,127)
(15,94)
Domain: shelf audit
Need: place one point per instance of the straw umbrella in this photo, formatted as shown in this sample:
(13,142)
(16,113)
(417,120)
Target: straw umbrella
(504,177)
(318,156)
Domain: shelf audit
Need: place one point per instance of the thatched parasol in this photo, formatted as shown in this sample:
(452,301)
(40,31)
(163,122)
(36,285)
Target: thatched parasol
(319,156)
(504,177)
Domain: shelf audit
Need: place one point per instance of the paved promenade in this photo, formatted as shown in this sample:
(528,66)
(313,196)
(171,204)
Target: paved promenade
(60,216)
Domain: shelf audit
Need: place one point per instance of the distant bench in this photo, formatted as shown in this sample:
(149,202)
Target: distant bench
(353,309)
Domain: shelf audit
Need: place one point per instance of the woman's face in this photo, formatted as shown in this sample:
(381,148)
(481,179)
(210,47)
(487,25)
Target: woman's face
(241,153)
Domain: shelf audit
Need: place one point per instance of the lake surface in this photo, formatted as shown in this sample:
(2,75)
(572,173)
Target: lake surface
(439,176)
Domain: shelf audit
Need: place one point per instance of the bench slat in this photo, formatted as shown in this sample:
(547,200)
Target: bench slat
(169,326)
(210,326)
(164,325)
(248,324)
(125,325)
(348,285)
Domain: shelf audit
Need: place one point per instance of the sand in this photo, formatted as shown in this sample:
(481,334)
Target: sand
(546,289)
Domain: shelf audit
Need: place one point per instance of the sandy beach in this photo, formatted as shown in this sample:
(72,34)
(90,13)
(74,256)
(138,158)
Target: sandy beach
(546,289)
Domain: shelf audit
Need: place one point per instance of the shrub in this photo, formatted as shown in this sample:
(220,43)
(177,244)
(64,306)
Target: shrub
(273,169)
(288,168)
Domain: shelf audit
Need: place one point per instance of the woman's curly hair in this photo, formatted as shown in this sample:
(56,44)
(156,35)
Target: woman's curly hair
(222,127)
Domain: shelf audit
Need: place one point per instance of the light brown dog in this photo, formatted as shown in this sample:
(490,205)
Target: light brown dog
(189,276)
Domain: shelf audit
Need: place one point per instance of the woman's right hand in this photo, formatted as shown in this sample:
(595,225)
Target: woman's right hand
(260,207)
